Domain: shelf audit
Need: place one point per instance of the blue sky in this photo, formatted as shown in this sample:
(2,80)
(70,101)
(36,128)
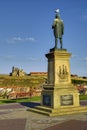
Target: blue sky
(26,34)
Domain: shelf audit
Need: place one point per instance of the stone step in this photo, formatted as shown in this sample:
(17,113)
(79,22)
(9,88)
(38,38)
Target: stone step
(54,112)
(39,111)
(68,112)
(47,109)
(66,109)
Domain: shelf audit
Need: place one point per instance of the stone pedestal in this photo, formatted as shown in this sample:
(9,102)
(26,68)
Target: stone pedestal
(59,96)
(59,92)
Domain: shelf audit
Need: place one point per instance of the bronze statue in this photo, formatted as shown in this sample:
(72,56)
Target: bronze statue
(58,27)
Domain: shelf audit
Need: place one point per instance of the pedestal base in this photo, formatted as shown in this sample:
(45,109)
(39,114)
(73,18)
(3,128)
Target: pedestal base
(59,97)
(59,101)
(56,112)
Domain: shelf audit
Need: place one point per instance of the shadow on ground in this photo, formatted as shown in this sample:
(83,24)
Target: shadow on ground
(30,104)
(33,104)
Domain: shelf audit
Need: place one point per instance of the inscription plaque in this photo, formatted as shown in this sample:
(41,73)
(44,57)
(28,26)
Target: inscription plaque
(66,100)
(47,100)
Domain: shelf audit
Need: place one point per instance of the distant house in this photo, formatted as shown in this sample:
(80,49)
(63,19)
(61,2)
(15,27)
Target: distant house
(38,73)
(74,75)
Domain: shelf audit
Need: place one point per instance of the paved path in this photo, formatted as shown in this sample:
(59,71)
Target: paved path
(70,125)
(15,116)
(12,124)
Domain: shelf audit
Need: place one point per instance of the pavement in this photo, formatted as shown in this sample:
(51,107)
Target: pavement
(15,116)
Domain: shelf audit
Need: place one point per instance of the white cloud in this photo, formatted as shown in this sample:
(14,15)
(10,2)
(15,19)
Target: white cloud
(6,57)
(85,17)
(20,59)
(36,59)
(30,39)
(77,58)
(17,39)
(85,59)
(20,39)
(73,56)
(32,59)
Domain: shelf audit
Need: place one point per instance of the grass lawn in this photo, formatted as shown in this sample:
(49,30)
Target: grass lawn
(83,97)
(36,99)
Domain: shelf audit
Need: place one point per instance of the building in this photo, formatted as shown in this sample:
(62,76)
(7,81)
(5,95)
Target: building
(17,72)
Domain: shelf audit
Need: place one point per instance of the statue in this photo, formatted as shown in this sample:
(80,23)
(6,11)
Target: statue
(58,27)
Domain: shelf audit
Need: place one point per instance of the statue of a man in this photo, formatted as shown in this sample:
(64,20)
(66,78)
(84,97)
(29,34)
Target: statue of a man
(58,27)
